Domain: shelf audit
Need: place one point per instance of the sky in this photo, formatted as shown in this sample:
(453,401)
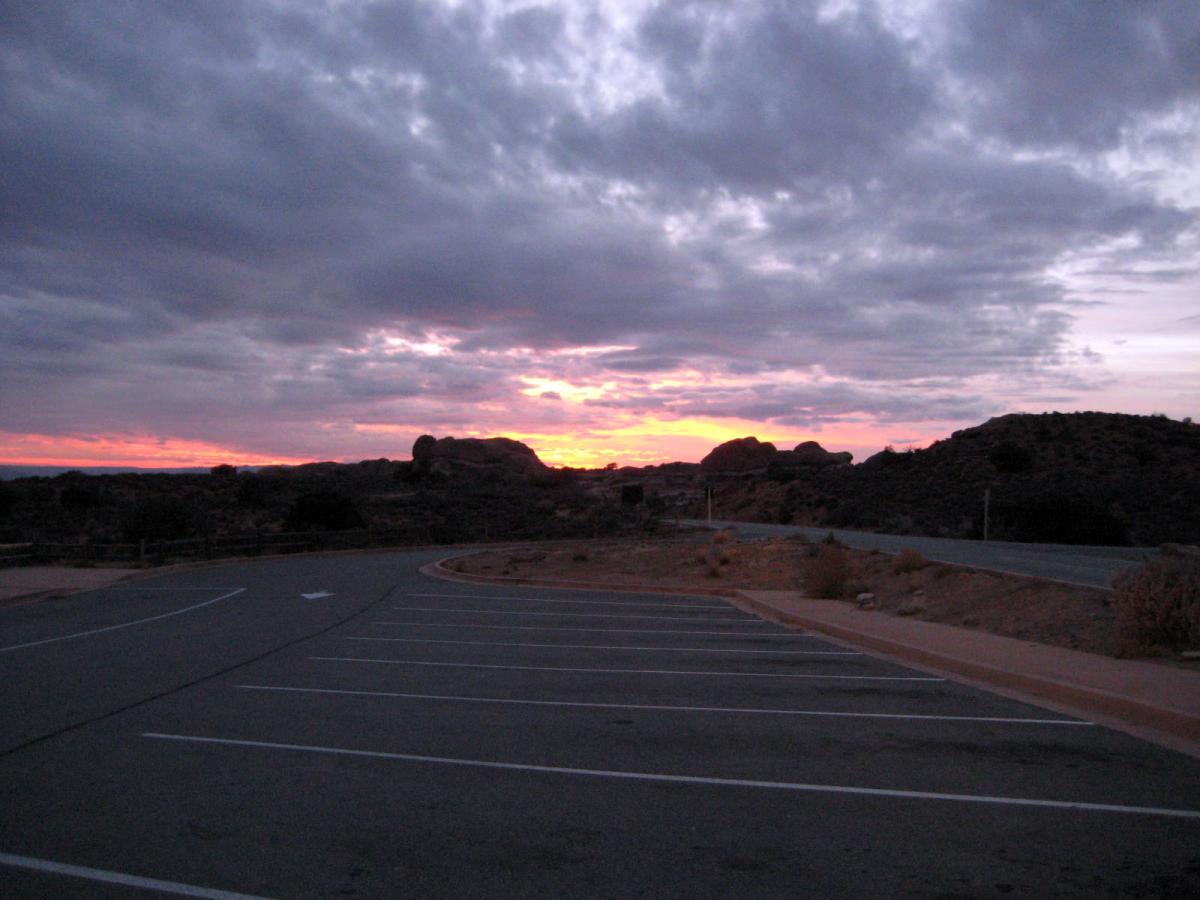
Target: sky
(620,231)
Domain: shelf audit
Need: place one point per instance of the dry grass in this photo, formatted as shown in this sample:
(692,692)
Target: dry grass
(908,561)
(827,574)
(1158,605)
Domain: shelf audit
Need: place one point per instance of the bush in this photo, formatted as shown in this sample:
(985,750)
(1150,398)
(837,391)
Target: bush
(828,572)
(78,497)
(908,561)
(1011,459)
(1059,517)
(323,510)
(158,518)
(1158,605)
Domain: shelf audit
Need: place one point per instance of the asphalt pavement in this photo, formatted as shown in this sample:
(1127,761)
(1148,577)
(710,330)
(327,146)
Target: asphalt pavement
(1085,566)
(348,726)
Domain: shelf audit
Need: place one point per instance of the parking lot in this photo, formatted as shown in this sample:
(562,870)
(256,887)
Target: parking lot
(404,735)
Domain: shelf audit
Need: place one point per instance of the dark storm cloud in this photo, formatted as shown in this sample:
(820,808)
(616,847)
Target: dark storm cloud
(1074,73)
(755,101)
(206,204)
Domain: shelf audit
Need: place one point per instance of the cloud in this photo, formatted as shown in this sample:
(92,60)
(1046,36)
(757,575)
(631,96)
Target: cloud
(217,216)
(1069,73)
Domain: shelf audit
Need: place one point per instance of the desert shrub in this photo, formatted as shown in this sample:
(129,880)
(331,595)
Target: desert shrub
(632,494)
(827,574)
(1158,604)
(1059,517)
(722,537)
(78,497)
(257,490)
(848,513)
(908,561)
(325,510)
(1011,459)
(158,518)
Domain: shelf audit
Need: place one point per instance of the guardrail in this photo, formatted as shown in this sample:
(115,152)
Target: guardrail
(217,547)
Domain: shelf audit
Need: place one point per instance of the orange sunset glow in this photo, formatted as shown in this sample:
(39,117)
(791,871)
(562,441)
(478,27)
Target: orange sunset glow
(125,451)
(648,442)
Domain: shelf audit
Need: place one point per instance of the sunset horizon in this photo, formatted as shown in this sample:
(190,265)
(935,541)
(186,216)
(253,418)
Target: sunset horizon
(617,231)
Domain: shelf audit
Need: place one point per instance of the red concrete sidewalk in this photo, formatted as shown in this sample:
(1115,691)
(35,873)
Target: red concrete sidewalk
(1152,701)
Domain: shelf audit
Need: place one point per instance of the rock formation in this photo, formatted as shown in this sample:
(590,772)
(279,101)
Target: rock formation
(739,455)
(810,453)
(450,455)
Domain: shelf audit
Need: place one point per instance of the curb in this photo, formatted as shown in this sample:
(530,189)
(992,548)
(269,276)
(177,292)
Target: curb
(1168,727)
(438,570)
(1125,709)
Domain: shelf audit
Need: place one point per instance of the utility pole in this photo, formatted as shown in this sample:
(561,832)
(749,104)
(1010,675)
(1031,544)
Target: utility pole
(708,495)
(987,500)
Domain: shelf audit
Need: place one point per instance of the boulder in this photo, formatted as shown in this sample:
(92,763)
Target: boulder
(810,453)
(739,455)
(449,454)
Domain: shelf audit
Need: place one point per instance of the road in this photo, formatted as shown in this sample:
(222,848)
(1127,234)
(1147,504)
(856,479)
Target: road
(1086,566)
(326,726)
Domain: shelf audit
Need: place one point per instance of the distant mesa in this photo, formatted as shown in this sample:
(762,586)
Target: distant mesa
(449,455)
(749,453)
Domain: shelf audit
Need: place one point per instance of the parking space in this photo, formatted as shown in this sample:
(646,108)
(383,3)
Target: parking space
(458,740)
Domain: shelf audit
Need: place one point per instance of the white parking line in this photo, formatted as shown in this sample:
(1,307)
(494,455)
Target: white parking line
(724,606)
(133,881)
(757,634)
(743,620)
(599,647)
(751,711)
(451,665)
(79,634)
(798,787)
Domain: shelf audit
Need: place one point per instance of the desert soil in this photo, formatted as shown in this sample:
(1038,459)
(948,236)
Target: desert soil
(1009,605)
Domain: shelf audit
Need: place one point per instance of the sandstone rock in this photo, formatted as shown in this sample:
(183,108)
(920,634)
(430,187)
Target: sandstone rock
(498,453)
(739,455)
(865,597)
(810,453)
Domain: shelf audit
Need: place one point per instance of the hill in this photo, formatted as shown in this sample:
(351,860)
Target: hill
(1082,478)
(1076,478)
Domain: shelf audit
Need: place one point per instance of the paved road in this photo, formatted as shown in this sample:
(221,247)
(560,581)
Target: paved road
(214,730)
(1088,566)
